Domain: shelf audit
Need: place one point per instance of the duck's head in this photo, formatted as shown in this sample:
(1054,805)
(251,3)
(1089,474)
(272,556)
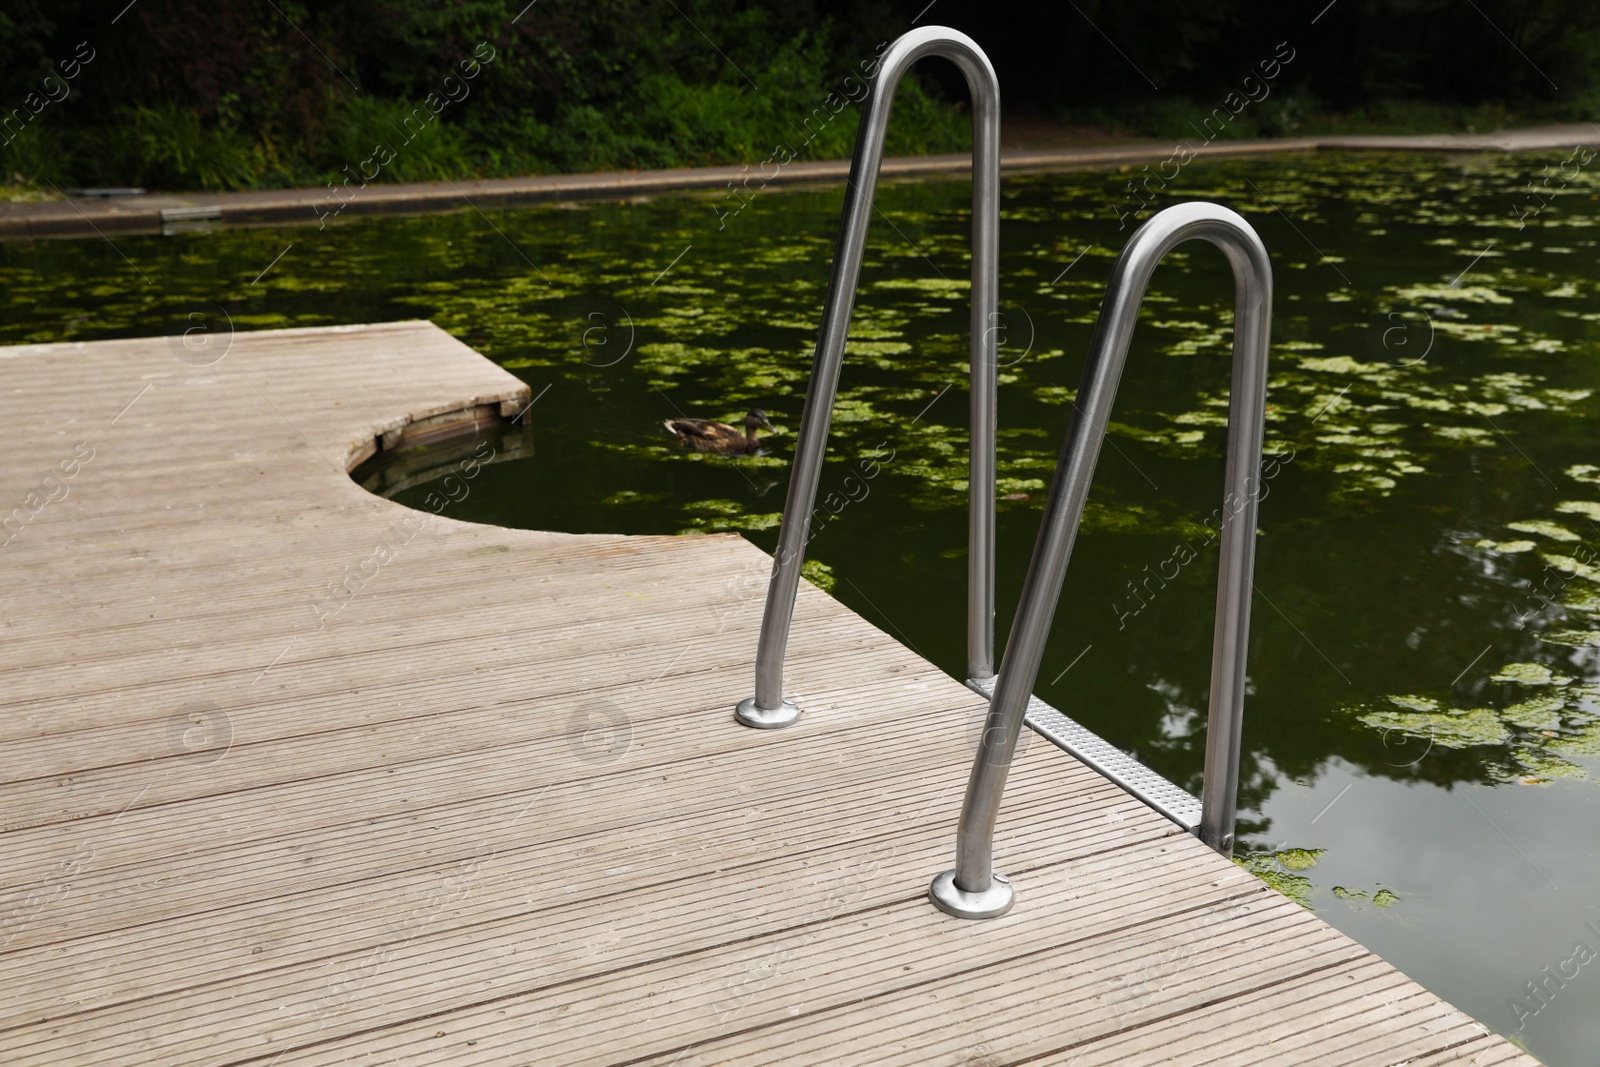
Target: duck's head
(757,418)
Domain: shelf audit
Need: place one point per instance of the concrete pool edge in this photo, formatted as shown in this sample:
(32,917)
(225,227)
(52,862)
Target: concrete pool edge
(174,212)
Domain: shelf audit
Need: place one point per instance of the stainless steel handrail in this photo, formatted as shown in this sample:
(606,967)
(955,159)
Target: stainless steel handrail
(973,889)
(768,709)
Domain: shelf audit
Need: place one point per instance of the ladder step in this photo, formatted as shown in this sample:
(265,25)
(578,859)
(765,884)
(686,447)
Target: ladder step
(1173,801)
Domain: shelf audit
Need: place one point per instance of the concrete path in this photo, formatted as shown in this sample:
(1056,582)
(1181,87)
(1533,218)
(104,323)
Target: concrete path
(155,213)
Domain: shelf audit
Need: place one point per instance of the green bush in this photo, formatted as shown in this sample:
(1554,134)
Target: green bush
(419,145)
(36,156)
(230,95)
(163,146)
(166,146)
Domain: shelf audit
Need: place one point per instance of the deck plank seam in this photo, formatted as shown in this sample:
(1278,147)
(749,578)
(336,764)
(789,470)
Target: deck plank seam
(812,655)
(865,787)
(735,744)
(334,657)
(442,932)
(1243,894)
(1195,1008)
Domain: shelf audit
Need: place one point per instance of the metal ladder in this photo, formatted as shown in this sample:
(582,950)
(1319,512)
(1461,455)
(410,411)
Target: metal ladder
(768,709)
(973,889)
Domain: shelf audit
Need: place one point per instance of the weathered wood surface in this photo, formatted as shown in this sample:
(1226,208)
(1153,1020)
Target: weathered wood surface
(495,810)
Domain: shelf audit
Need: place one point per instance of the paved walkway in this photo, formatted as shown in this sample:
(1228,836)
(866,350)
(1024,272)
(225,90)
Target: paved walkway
(88,216)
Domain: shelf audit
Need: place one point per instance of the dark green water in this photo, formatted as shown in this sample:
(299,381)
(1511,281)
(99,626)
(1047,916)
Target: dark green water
(1422,732)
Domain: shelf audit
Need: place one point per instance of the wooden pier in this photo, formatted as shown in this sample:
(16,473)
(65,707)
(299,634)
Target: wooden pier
(295,776)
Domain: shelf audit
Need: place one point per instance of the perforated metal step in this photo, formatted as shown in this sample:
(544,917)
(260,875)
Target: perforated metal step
(1174,802)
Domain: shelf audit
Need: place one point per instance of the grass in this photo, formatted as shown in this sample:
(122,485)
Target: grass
(25,194)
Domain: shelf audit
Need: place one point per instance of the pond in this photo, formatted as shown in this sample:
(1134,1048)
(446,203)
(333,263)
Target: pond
(1422,734)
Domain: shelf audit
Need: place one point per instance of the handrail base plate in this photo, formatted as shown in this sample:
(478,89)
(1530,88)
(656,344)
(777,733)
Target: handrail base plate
(989,904)
(758,718)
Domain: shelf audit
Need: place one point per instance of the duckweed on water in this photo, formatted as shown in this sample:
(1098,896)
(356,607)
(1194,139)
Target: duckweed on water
(1299,859)
(734,321)
(1448,728)
(1544,527)
(1382,898)
(1270,868)
(818,574)
(1549,719)
(1507,547)
(1528,674)
(1282,869)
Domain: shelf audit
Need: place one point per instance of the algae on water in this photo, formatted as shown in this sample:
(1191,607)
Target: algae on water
(1283,876)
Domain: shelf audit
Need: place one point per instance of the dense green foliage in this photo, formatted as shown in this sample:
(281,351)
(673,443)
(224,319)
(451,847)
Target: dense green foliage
(240,93)
(1530,56)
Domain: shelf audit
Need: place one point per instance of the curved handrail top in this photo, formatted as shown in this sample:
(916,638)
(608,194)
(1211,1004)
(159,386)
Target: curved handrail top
(1171,227)
(942,41)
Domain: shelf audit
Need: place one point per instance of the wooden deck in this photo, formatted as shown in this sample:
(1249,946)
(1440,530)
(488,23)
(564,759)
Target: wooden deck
(494,809)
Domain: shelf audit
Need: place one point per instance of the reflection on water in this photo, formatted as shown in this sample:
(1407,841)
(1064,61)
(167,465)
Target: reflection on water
(1422,737)
(393,472)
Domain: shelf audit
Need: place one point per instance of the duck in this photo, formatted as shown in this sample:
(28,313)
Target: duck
(703,435)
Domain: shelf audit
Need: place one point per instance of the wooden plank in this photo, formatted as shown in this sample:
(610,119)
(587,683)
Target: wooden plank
(107,660)
(278,740)
(356,917)
(1337,1017)
(1490,1050)
(699,756)
(816,991)
(603,930)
